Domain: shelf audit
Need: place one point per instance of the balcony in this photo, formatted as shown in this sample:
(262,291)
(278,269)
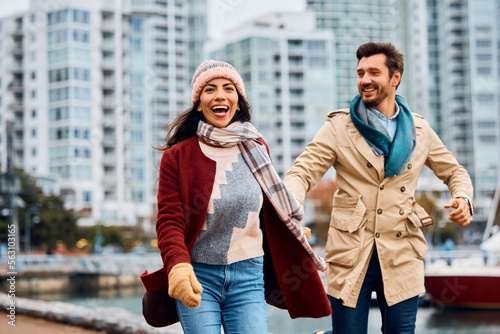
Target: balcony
(16,106)
(109,160)
(296,84)
(16,49)
(16,86)
(108,83)
(140,7)
(162,71)
(16,67)
(295,51)
(110,179)
(296,67)
(109,140)
(108,44)
(108,101)
(108,63)
(109,121)
(17,31)
(108,25)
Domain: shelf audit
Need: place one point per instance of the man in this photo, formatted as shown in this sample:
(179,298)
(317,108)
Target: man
(378,149)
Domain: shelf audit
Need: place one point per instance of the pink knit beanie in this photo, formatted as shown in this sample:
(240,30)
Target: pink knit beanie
(212,69)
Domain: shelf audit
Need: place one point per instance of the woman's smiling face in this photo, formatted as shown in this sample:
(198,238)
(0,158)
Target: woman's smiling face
(218,102)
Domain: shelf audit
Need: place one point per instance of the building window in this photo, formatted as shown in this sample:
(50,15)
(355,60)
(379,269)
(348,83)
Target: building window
(136,44)
(87,196)
(485,97)
(484,70)
(137,136)
(483,43)
(33,75)
(317,62)
(32,56)
(33,152)
(484,57)
(33,133)
(58,36)
(81,16)
(82,74)
(60,74)
(488,138)
(61,16)
(33,94)
(316,45)
(81,93)
(138,173)
(483,29)
(81,36)
(58,94)
(486,124)
(137,24)
(33,113)
(138,196)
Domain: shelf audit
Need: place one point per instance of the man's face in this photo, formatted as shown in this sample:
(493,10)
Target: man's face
(374,83)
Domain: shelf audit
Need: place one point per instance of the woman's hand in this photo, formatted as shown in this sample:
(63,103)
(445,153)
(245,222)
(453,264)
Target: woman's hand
(183,285)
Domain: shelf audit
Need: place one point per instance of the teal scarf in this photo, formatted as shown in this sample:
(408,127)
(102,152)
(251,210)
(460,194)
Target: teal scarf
(396,153)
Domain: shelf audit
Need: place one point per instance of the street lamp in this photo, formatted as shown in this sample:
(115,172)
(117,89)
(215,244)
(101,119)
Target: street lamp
(32,210)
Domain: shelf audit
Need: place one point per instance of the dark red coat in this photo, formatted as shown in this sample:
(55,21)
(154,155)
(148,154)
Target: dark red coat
(185,186)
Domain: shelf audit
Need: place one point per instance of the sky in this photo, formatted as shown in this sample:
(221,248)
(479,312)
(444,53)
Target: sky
(224,14)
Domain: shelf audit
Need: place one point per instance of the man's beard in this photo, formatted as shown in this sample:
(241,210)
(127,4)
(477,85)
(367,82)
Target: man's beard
(372,102)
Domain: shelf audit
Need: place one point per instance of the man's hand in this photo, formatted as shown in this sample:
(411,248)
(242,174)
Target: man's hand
(461,215)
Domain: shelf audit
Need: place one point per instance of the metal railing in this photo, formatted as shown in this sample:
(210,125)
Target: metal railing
(115,264)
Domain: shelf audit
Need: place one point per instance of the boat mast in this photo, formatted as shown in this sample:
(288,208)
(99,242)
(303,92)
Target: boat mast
(493,213)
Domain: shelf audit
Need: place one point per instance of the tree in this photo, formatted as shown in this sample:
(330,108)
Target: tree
(56,224)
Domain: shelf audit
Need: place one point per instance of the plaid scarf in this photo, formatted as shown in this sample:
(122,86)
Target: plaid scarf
(254,152)
(397,152)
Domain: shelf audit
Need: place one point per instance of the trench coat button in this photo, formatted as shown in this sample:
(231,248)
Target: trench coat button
(369,165)
(377,235)
(401,212)
(410,166)
(398,234)
(382,187)
(403,189)
(379,211)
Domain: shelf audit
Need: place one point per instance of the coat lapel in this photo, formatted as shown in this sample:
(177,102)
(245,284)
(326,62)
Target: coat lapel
(366,150)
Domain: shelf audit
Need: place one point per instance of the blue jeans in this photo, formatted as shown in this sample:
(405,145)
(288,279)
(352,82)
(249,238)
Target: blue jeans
(233,296)
(399,318)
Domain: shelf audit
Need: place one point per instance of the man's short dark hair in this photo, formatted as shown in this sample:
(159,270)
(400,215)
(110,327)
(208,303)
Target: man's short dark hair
(395,60)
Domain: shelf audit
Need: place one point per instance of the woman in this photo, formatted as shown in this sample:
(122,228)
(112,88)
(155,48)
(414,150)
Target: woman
(228,231)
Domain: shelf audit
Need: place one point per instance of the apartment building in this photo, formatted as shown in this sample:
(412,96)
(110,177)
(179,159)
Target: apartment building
(464,55)
(89,87)
(287,66)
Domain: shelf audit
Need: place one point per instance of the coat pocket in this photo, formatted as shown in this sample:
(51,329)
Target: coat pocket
(415,236)
(346,233)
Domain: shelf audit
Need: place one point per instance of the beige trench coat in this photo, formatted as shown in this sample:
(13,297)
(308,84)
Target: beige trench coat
(369,209)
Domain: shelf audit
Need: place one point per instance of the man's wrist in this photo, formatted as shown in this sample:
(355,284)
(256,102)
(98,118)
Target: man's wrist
(469,204)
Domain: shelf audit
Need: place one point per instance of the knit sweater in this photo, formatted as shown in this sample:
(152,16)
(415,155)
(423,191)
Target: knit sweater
(231,231)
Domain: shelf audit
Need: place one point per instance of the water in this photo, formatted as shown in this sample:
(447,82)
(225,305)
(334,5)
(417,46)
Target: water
(429,320)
